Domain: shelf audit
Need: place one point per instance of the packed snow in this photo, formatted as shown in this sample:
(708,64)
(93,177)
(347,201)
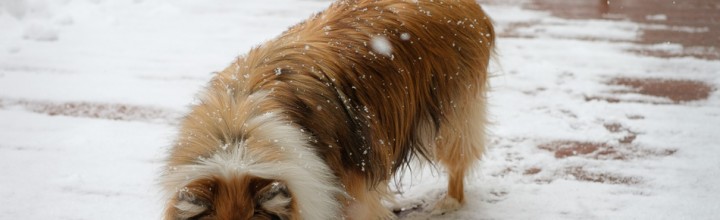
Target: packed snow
(91,92)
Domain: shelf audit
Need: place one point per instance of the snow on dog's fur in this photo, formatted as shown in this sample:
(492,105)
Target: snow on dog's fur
(312,124)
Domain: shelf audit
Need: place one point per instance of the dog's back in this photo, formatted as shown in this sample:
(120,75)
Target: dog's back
(368,84)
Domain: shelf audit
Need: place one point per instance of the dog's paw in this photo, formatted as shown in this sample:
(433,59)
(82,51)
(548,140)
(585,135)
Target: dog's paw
(447,204)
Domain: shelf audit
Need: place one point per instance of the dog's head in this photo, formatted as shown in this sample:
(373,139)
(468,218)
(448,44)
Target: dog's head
(272,173)
(241,158)
(253,183)
(245,197)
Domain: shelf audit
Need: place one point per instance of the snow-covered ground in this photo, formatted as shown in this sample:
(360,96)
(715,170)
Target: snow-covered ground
(90,93)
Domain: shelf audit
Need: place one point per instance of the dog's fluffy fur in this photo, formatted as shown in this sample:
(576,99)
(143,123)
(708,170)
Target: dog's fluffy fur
(313,124)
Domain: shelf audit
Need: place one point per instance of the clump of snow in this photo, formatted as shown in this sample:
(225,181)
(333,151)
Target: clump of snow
(16,8)
(13,49)
(381,45)
(405,36)
(686,29)
(657,17)
(40,32)
(65,20)
(34,19)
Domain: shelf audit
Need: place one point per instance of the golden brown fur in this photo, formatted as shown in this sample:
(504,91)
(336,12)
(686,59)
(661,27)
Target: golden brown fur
(364,112)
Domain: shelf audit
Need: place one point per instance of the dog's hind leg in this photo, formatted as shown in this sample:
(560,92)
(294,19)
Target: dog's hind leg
(459,146)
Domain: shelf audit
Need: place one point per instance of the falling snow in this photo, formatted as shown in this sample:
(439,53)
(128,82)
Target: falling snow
(381,45)
(405,36)
(91,93)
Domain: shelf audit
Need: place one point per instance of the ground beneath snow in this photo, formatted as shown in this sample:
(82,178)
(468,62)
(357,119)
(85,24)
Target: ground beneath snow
(599,111)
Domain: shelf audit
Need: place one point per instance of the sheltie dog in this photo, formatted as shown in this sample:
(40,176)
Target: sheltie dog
(314,123)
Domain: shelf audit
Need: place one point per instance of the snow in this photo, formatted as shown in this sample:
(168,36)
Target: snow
(40,32)
(91,90)
(657,17)
(405,36)
(381,45)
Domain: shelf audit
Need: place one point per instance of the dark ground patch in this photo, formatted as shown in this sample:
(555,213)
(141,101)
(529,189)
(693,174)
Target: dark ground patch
(695,24)
(121,112)
(675,91)
(602,151)
(579,173)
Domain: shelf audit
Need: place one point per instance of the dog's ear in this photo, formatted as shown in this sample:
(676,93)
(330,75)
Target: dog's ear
(195,199)
(274,199)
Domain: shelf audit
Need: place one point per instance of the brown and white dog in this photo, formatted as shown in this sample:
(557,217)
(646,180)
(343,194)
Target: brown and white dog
(313,124)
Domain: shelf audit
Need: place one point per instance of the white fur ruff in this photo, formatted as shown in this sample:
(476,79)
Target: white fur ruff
(308,178)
